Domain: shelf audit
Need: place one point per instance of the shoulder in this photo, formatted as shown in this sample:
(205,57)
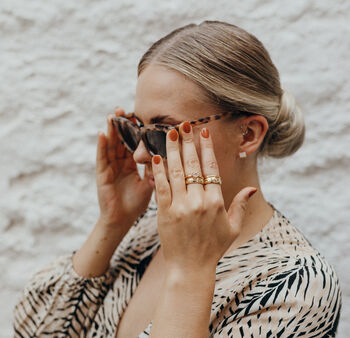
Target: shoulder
(294,267)
(301,300)
(280,280)
(298,300)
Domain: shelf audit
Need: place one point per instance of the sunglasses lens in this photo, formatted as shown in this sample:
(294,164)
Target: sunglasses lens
(156,142)
(129,133)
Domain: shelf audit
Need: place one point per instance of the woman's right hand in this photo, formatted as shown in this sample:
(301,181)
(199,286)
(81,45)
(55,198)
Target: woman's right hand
(122,195)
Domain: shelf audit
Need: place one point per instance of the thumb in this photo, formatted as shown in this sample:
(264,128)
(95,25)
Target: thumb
(237,209)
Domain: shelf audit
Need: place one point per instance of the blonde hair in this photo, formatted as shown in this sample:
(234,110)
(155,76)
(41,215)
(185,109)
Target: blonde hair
(236,73)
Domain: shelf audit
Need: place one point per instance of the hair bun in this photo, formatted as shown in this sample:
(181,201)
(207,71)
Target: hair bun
(287,131)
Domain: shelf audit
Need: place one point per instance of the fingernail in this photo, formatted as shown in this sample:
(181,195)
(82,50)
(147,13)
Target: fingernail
(252,192)
(173,135)
(205,132)
(186,127)
(156,159)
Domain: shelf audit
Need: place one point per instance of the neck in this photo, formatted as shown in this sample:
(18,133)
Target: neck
(258,211)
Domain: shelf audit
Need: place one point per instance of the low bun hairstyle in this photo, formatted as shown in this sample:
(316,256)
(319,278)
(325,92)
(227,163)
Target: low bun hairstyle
(236,74)
(286,129)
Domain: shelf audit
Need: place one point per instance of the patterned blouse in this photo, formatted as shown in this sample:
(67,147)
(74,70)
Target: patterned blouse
(275,285)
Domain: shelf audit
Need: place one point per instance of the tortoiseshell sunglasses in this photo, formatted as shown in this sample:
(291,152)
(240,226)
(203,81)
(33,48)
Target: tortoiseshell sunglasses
(154,136)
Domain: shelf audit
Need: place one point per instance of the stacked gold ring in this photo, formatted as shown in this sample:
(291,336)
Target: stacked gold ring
(207,179)
(212,179)
(189,179)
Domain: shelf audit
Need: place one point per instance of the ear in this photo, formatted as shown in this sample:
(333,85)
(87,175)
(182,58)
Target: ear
(256,127)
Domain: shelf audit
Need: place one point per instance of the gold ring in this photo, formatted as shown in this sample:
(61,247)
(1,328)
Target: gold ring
(189,179)
(212,179)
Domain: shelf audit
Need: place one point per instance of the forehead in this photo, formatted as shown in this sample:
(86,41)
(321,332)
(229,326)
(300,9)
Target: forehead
(163,91)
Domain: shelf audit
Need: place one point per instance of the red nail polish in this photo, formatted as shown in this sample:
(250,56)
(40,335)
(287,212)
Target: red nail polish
(252,192)
(173,135)
(205,132)
(156,159)
(186,127)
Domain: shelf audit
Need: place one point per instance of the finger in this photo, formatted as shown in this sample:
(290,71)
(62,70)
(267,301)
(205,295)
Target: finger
(190,158)
(121,150)
(119,111)
(237,209)
(175,170)
(101,154)
(208,161)
(112,139)
(163,190)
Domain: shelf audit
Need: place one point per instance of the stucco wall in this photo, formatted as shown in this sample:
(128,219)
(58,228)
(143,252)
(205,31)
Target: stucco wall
(65,64)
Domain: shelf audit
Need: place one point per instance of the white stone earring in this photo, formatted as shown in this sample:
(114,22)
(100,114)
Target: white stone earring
(242,154)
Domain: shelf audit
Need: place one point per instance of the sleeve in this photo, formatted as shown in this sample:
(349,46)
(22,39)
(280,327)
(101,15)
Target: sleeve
(301,302)
(58,301)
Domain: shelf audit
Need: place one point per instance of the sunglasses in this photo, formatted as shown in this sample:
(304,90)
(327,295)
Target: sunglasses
(131,130)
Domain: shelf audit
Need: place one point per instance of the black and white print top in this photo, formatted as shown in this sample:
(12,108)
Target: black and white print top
(275,285)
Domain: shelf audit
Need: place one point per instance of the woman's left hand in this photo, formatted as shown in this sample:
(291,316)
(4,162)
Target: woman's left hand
(194,227)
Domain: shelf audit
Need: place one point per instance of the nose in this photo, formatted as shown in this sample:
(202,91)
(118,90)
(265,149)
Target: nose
(141,155)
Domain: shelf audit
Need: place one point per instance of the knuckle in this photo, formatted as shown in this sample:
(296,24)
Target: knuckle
(217,204)
(162,190)
(180,212)
(157,175)
(242,206)
(191,163)
(211,164)
(197,208)
(207,144)
(187,140)
(177,172)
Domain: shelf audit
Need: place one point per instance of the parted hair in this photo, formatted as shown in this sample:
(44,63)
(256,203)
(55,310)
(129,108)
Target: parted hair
(236,73)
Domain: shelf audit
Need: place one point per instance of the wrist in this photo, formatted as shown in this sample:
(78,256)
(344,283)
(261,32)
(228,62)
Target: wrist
(180,275)
(115,226)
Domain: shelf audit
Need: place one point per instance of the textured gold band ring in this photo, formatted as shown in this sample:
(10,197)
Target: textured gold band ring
(189,179)
(212,179)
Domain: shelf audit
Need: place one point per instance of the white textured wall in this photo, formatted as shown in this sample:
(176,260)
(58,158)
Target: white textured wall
(65,64)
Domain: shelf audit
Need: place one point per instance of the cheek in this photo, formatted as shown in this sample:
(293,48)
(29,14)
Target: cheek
(224,149)
(222,145)
(227,143)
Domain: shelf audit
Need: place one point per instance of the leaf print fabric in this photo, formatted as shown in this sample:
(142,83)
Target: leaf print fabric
(275,285)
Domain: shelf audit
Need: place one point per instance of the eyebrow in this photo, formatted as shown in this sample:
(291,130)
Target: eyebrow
(162,118)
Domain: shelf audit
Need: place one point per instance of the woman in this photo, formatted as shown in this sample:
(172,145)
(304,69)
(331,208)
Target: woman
(216,259)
